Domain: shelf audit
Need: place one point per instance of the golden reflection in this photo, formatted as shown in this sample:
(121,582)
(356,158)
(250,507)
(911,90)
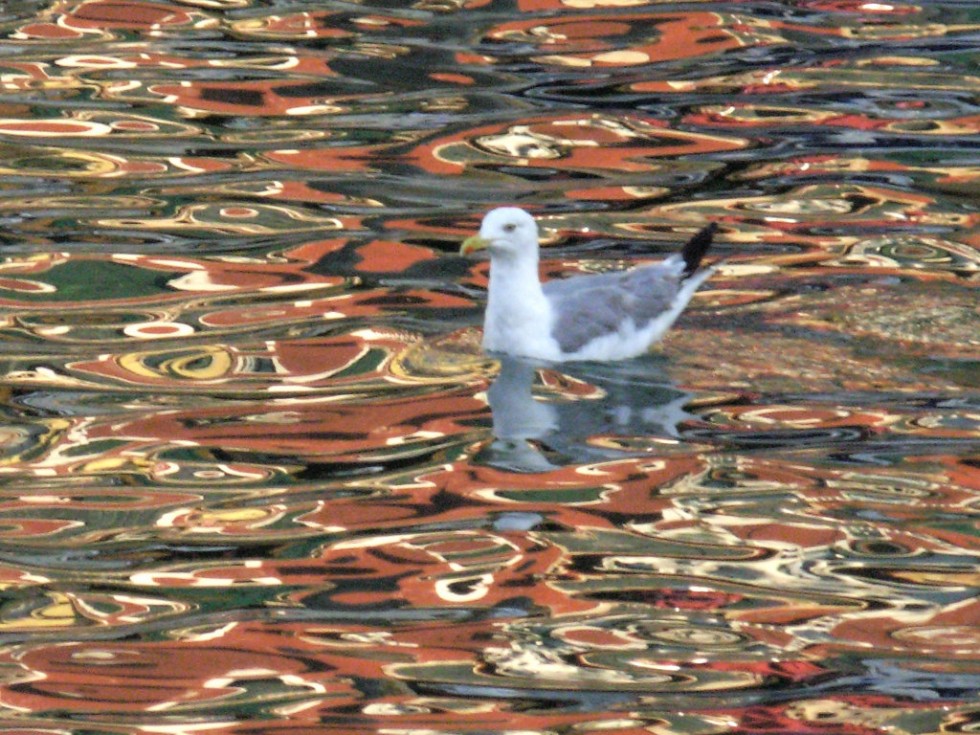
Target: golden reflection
(207,363)
(296,26)
(903,251)
(626,40)
(457,355)
(53,611)
(583,142)
(78,164)
(230,218)
(82,203)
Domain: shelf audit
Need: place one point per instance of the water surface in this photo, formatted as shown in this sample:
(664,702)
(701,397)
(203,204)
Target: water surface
(257,476)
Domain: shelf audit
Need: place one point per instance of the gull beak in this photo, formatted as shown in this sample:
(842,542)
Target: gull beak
(472,244)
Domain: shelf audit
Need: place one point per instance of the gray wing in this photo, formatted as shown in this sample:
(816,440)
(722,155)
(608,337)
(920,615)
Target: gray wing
(588,307)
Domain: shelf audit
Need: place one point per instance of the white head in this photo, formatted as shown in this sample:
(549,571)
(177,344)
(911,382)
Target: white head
(506,232)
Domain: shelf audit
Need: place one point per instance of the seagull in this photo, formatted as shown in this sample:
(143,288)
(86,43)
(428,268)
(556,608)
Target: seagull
(603,317)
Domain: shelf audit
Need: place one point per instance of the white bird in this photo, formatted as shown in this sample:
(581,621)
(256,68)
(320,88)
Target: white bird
(609,316)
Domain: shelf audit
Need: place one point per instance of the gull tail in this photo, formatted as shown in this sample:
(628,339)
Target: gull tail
(696,247)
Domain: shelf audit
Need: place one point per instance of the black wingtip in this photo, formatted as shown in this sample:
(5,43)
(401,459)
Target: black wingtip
(696,247)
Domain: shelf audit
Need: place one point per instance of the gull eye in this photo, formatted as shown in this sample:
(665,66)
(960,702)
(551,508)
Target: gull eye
(510,227)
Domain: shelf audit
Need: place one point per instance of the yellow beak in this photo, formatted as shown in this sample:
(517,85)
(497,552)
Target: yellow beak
(471,244)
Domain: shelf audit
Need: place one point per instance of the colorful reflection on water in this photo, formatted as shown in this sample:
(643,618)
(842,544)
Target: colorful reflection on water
(256,476)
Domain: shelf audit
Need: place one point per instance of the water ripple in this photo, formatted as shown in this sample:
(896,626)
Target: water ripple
(256,473)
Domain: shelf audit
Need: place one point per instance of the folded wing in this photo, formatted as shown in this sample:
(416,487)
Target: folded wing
(589,307)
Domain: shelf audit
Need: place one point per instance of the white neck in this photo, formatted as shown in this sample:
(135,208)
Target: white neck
(518,317)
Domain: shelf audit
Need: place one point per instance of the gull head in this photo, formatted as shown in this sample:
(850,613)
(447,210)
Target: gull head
(505,231)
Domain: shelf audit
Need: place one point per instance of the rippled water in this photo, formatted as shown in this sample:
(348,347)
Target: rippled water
(256,475)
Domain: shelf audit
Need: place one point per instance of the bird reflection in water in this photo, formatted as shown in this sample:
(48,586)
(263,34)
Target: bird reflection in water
(619,409)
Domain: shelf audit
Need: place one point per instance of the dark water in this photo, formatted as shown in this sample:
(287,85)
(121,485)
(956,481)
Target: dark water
(256,476)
